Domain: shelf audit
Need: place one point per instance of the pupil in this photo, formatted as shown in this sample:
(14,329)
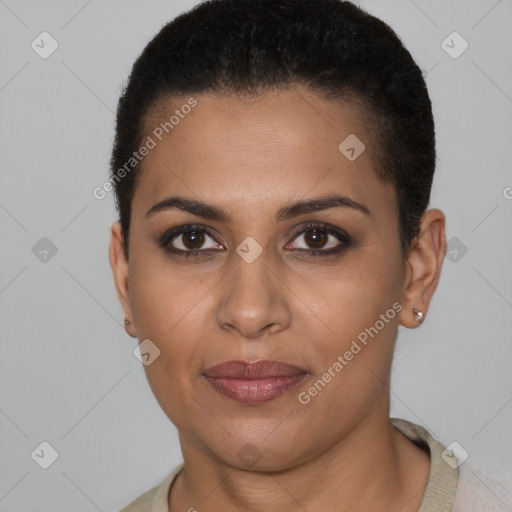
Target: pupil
(193,239)
(316,238)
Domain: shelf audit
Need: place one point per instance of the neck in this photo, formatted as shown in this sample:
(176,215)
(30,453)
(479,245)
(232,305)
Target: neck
(373,467)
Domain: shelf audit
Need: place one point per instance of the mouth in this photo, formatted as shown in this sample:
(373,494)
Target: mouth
(253,382)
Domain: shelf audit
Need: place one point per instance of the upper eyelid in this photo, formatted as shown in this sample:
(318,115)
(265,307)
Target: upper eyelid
(316,224)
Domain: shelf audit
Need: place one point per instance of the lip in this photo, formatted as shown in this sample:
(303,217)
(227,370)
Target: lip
(254,382)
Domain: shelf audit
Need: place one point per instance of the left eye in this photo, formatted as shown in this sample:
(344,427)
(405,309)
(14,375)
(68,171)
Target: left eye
(318,238)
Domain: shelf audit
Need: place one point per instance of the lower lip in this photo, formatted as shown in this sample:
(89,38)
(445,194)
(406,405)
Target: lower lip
(254,391)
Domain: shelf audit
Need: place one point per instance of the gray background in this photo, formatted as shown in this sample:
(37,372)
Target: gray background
(68,375)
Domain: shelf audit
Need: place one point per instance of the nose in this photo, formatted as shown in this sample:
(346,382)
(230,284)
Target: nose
(253,300)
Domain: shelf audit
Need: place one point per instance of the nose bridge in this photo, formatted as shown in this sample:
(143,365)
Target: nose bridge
(251,273)
(253,297)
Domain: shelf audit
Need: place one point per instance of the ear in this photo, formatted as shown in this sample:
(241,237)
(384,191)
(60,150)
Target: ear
(120,270)
(423,266)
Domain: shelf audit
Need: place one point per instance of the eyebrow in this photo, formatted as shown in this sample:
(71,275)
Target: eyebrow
(211,212)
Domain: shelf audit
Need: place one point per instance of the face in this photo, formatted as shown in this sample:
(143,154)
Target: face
(272,278)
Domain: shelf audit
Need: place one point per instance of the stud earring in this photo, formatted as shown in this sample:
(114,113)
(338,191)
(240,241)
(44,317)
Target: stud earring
(418,315)
(126,322)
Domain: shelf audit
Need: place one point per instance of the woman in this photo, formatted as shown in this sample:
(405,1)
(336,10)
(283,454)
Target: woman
(272,167)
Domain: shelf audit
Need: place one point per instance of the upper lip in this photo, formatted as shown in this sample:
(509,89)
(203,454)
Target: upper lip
(253,370)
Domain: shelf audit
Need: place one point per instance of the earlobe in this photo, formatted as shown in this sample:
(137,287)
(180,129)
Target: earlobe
(423,271)
(120,271)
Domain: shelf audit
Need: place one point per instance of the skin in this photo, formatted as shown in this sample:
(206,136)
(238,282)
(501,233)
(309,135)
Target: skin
(250,157)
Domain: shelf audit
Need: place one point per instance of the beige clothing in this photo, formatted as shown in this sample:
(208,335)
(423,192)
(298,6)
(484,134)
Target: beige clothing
(439,496)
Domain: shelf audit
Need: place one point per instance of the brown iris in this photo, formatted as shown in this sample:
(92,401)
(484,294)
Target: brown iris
(193,239)
(316,238)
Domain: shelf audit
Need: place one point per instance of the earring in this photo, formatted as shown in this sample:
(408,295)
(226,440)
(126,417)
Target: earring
(126,322)
(418,315)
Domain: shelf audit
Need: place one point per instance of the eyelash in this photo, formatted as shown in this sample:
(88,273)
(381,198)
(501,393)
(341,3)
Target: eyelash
(341,235)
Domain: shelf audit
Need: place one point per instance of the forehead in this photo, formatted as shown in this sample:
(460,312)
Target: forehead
(266,149)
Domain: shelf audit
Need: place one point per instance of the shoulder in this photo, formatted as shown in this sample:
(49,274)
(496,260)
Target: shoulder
(156,499)
(482,489)
(143,503)
(469,487)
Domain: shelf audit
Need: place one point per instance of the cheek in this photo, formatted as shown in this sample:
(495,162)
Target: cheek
(173,375)
(169,312)
(344,299)
(164,295)
(355,318)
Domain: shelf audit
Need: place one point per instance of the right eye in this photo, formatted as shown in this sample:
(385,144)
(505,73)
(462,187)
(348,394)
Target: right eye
(188,240)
